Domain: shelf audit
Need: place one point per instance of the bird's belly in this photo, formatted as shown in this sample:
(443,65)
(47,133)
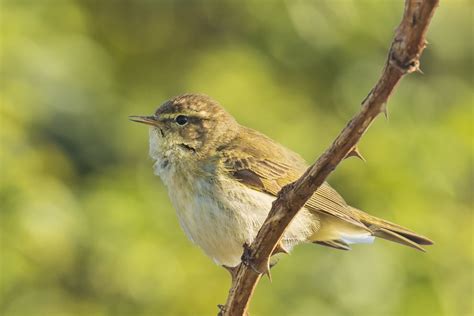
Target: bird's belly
(221,216)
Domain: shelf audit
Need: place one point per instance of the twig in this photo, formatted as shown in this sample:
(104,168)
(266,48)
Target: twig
(403,58)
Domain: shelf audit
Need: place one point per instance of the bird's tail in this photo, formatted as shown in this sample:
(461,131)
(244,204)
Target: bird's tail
(390,231)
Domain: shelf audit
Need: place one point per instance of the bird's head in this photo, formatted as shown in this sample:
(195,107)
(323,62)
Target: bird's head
(191,126)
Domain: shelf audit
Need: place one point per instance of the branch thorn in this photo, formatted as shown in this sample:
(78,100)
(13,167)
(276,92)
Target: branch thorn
(279,249)
(384,110)
(269,275)
(355,153)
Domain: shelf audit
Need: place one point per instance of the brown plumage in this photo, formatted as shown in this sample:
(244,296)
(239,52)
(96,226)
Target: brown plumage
(268,168)
(222,178)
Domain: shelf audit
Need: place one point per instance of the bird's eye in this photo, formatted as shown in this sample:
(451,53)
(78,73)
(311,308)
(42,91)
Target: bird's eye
(182,120)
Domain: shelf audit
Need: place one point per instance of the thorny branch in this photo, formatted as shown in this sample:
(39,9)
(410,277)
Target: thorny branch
(403,58)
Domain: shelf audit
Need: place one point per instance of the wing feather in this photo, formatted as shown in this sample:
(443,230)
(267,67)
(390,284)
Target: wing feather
(264,165)
(256,168)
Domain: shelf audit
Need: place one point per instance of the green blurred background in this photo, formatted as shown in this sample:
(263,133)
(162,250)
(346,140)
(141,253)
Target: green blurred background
(87,229)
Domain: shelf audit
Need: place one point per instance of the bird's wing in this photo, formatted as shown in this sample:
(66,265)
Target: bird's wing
(270,167)
(264,165)
(270,176)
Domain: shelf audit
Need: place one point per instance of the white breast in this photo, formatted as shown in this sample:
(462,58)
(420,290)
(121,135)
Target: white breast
(221,215)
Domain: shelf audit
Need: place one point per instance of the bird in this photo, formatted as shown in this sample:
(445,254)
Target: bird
(222,178)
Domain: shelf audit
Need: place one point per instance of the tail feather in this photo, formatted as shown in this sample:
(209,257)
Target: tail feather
(393,236)
(393,232)
(336,243)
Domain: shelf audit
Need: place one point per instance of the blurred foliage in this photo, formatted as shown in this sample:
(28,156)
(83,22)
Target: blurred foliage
(86,229)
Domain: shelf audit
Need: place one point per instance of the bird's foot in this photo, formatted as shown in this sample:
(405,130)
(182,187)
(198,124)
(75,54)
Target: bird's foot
(248,260)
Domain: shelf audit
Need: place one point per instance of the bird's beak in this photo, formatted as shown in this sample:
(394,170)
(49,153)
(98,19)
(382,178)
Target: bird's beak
(149,120)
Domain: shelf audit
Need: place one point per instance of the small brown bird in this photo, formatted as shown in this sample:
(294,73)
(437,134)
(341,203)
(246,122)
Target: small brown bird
(222,178)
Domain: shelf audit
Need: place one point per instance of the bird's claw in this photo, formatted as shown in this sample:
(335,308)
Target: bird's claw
(248,260)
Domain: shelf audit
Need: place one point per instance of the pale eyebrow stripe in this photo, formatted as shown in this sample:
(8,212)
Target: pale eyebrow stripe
(167,116)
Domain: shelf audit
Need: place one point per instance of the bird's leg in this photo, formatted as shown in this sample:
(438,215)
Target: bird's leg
(248,261)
